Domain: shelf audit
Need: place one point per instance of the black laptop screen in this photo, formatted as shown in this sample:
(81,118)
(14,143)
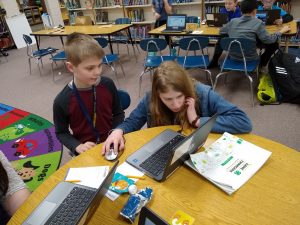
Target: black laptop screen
(176,22)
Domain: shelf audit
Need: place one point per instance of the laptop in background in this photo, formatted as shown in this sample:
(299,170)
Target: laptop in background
(148,217)
(268,16)
(64,197)
(216,19)
(175,23)
(161,156)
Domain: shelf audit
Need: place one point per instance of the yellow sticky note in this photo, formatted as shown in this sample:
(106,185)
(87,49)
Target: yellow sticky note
(181,218)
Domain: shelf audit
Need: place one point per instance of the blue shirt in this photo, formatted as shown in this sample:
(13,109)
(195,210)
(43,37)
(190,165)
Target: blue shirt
(282,12)
(230,118)
(232,14)
(158,6)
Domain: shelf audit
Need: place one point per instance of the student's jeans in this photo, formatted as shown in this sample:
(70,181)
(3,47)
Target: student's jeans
(264,58)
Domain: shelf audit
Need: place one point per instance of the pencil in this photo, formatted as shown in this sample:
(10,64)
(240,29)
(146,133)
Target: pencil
(136,177)
(73,181)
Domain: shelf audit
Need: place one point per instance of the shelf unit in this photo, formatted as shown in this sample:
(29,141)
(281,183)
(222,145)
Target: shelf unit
(139,11)
(6,39)
(32,14)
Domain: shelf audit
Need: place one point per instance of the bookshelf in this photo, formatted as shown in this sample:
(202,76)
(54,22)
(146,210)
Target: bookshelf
(32,14)
(6,39)
(139,11)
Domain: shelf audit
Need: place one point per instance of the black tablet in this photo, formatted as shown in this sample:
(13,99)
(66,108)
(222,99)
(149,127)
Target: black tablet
(148,217)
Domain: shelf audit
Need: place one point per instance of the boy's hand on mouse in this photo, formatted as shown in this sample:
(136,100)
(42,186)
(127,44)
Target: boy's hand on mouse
(191,111)
(116,140)
(84,147)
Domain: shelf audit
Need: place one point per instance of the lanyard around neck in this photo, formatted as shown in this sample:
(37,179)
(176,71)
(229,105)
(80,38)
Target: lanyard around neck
(85,111)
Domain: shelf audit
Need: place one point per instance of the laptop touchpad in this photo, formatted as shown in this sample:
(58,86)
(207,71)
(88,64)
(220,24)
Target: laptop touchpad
(44,210)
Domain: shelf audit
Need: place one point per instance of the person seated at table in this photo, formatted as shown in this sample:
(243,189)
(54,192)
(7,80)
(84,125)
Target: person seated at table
(13,191)
(177,99)
(269,4)
(248,26)
(89,105)
(231,9)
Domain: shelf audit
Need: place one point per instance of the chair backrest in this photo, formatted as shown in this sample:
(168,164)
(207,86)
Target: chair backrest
(237,45)
(124,99)
(27,39)
(193,43)
(102,42)
(83,20)
(153,44)
(123,21)
(192,19)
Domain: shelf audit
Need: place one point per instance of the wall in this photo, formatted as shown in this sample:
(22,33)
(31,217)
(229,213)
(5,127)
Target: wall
(295,11)
(53,10)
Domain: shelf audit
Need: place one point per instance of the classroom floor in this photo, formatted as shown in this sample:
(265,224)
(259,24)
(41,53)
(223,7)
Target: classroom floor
(35,93)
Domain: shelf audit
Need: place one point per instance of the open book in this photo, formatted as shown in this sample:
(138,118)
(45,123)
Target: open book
(229,162)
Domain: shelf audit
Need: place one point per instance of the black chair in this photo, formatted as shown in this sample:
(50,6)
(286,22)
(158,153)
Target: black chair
(200,60)
(110,59)
(238,47)
(124,98)
(38,54)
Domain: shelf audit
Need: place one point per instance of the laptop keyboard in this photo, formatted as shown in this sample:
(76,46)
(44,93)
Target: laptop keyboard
(72,207)
(157,162)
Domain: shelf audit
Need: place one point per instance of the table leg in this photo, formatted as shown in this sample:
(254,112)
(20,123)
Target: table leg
(62,41)
(110,45)
(37,40)
(130,38)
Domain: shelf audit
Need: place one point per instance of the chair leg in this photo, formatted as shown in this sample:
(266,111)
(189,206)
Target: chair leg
(29,63)
(210,78)
(52,71)
(39,67)
(121,68)
(251,89)
(118,48)
(42,62)
(216,81)
(140,81)
(127,48)
(113,68)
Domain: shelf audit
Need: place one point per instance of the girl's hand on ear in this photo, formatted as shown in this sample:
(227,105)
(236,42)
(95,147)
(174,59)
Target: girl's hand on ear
(191,111)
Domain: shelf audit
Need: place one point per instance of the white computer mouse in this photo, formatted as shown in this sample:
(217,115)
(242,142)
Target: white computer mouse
(110,155)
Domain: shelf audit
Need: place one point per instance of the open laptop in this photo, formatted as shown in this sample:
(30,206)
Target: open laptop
(148,217)
(80,209)
(216,19)
(268,16)
(175,23)
(161,156)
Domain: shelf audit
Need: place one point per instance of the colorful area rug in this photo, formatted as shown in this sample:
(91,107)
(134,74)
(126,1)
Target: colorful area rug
(30,144)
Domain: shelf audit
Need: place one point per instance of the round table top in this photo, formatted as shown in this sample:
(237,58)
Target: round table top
(271,196)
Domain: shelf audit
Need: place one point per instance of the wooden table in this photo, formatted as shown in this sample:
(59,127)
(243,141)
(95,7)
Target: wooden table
(92,30)
(271,196)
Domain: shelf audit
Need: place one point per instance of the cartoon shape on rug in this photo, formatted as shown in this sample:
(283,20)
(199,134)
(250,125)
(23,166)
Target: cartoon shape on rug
(14,132)
(27,172)
(24,147)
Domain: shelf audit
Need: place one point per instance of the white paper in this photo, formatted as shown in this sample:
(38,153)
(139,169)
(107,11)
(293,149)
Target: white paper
(89,176)
(230,161)
(127,170)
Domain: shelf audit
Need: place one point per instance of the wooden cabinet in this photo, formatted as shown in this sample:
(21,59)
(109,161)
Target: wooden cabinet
(32,14)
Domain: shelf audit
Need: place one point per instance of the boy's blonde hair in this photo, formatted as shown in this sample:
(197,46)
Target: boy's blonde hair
(80,47)
(171,76)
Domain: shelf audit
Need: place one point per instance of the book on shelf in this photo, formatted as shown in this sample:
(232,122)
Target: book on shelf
(229,162)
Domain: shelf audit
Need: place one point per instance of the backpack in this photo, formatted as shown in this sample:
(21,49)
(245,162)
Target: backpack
(284,69)
(266,93)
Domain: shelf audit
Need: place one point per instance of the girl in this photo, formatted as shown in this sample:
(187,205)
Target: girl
(178,99)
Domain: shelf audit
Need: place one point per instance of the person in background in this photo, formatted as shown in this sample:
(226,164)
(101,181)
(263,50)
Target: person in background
(177,99)
(269,4)
(231,9)
(161,9)
(89,105)
(248,26)
(13,191)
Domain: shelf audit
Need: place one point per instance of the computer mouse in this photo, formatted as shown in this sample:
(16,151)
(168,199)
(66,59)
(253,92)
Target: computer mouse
(111,155)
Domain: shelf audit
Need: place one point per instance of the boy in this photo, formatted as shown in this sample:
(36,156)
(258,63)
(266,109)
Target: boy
(269,4)
(89,105)
(250,27)
(231,9)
